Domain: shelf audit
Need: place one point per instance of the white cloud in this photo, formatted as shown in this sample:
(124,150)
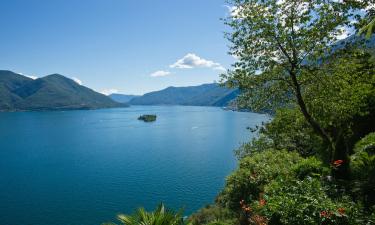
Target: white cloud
(233,11)
(78,81)
(160,73)
(109,91)
(191,60)
(345,32)
(29,76)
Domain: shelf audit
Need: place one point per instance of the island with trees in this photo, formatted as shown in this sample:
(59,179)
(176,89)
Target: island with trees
(147,118)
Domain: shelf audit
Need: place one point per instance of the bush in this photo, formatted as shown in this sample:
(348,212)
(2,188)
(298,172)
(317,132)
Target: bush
(309,167)
(247,182)
(363,170)
(212,215)
(363,159)
(288,130)
(305,202)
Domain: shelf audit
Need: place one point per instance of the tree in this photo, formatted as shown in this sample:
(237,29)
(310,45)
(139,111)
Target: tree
(368,23)
(278,42)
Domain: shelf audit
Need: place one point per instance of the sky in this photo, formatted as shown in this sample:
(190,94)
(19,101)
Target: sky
(124,46)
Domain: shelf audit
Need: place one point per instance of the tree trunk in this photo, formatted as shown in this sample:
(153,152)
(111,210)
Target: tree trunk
(341,152)
(301,103)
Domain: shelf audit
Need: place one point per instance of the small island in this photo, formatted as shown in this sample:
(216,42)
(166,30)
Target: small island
(147,118)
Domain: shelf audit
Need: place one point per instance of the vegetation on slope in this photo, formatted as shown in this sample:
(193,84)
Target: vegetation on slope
(203,95)
(122,98)
(314,162)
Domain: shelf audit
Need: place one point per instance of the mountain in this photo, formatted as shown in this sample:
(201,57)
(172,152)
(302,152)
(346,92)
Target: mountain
(53,92)
(202,95)
(122,98)
(355,39)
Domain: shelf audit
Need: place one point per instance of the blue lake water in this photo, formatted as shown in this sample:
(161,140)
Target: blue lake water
(84,167)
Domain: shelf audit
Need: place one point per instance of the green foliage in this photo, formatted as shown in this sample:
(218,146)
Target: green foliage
(53,92)
(287,130)
(287,59)
(368,29)
(212,215)
(294,201)
(367,25)
(343,87)
(160,216)
(363,170)
(283,188)
(276,38)
(309,167)
(202,95)
(254,172)
(363,159)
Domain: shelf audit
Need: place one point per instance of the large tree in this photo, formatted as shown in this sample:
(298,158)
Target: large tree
(278,42)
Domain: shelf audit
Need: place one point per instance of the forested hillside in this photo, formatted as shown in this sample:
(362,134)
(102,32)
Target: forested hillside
(53,92)
(202,95)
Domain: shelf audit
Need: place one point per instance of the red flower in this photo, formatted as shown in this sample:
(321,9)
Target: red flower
(325,214)
(262,202)
(338,162)
(341,211)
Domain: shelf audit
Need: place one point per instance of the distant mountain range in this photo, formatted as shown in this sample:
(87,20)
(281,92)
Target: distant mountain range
(122,98)
(202,95)
(52,92)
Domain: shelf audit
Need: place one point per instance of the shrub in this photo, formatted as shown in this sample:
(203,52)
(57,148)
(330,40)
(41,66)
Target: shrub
(363,159)
(212,214)
(247,182)
(287,130)
(305,202)
(309,167)
(363,169)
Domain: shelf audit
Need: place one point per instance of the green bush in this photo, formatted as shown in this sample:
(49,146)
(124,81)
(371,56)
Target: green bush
(309,167)
(363,170)
(363,159)
(247,182)
(287,130)
(305,202)
(212,215)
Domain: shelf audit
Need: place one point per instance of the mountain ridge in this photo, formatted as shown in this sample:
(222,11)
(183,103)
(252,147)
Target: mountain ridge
(52,92)
(202,95)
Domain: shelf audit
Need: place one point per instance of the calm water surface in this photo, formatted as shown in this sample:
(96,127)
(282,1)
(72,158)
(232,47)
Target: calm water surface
(84,167)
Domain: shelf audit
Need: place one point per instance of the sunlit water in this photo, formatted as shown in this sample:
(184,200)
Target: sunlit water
(84,167)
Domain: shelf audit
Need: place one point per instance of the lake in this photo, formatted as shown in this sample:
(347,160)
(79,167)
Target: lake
(84,167)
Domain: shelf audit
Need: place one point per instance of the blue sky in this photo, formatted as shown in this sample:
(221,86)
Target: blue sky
(132,46)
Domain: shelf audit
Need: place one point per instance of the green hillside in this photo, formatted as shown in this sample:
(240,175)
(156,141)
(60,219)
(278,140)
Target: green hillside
(202,95)
(52,92)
